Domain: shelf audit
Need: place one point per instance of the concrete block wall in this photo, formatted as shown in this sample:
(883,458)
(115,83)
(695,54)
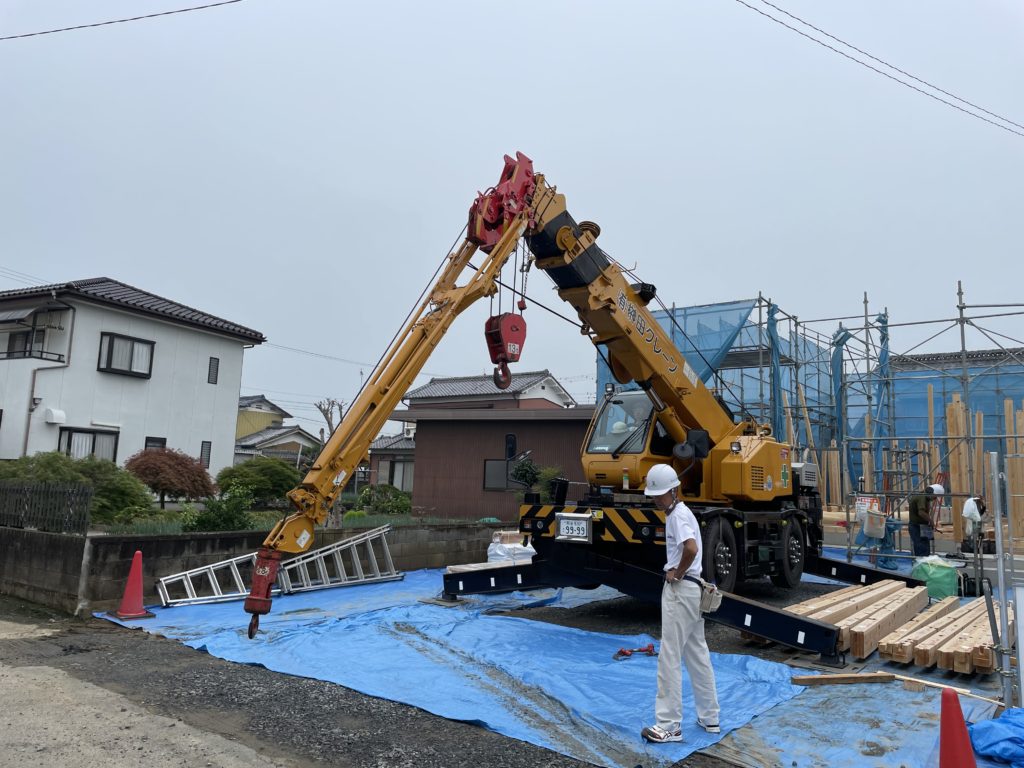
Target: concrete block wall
(40,567)
(77,574)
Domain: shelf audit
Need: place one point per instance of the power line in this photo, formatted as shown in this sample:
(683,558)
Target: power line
(119,21)
(890,66)
(880,72)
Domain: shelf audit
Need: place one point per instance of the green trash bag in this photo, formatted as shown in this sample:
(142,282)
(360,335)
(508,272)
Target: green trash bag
(942,579)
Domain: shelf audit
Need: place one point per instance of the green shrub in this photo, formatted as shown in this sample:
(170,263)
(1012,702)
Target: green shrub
(384,500)
(268,479)
(525,472)
(117,494)
(228,512)
(354,514)
(543,483)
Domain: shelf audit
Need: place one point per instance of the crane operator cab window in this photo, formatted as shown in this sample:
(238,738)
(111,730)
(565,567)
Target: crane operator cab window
(623,424)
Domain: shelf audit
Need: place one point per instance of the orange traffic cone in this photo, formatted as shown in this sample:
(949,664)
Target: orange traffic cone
(131,603)
(955,750)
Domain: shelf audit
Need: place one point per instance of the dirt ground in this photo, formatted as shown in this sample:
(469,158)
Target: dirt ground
(87,692)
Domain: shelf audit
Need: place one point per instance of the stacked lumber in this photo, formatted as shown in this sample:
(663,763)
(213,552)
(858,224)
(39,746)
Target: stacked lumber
(947,635)
(865,614)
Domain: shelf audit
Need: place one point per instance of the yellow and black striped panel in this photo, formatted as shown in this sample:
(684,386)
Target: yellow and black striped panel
(623,525)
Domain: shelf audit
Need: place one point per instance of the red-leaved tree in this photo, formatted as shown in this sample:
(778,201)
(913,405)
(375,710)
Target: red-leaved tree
(168,472)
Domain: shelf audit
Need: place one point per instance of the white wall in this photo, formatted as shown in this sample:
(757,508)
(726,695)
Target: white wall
(176,403)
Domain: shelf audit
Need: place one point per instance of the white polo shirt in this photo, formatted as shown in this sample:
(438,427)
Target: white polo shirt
(681,525)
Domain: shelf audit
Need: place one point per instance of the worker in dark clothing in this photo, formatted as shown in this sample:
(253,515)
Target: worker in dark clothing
(920,515)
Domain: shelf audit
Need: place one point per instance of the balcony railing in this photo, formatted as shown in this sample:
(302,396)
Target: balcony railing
(36,353)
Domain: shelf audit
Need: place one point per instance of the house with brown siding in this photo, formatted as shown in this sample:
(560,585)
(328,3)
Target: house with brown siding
(467,430)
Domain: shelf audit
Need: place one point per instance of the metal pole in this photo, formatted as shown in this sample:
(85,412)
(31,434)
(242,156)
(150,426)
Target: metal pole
(1002,642)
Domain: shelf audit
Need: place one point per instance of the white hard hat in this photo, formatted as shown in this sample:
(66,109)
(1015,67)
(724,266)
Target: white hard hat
(938,490)
(618,427)
(661,479)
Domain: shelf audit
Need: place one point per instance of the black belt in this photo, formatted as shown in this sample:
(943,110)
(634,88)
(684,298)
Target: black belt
(695,580)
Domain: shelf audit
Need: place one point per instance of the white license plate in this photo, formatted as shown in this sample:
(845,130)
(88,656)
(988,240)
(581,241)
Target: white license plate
(574,528)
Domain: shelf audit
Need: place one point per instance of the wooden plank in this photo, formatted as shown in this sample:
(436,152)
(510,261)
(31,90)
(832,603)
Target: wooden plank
(902,650)
(926,652)
(864,636)
(824,601)
(936,611)
(790,434)
(844,679)
(851,605)
(807,419)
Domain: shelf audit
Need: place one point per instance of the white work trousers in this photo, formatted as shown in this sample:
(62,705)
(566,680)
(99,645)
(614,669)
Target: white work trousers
(682,640)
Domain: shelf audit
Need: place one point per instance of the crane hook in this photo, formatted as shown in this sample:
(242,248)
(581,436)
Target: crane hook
(502,376)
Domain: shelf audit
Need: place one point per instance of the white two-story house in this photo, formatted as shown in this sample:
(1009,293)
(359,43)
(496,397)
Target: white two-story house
(97,367)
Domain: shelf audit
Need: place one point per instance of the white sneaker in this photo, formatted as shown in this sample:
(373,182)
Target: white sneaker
(660,736)
(709,727)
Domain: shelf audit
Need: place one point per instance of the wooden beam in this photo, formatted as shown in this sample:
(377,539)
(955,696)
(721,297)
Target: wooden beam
(888,677)
(926,652)
(844,679)
(864,635)
(902,650)
(851,605)
(936,611)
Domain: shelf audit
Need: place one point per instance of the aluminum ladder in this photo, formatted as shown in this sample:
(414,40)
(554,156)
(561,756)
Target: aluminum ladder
(320,569)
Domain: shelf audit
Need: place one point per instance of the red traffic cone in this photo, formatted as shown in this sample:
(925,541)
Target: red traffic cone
(955,750)
(131,603)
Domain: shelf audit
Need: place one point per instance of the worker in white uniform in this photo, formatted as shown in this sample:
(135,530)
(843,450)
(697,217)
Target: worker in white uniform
(682,626)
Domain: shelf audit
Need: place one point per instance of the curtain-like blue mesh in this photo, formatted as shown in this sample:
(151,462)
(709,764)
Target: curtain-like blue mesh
(839,340)
(703,334)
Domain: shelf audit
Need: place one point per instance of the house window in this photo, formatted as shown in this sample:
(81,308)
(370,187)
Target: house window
(213,370)
(123,354)
(156,443)
(204,454)
(79,443)
(24,343)
(401,475)
(496,475)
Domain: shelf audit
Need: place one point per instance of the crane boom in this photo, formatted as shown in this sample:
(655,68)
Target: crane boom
(498,219)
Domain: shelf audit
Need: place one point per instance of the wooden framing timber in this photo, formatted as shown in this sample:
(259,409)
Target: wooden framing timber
(851,605)
(936,611)
(843,679)
(926,652)
(902,650)
(865,634)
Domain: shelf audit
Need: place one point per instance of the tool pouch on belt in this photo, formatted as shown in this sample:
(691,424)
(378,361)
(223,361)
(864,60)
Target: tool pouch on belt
(710,597)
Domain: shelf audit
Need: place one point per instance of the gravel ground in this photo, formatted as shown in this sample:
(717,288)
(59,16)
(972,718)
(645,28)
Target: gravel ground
(86,692)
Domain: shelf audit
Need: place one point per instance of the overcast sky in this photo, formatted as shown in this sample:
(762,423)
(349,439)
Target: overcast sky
(302,166)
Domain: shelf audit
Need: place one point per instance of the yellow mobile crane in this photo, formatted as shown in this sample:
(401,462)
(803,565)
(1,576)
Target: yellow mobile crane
(758,507)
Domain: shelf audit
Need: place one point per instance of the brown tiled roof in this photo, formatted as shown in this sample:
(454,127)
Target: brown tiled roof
(103,290)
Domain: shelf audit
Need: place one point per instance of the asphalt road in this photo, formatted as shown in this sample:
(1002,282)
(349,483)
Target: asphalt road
(87,692)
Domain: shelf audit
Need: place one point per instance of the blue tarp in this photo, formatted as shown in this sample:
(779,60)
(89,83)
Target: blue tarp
(559,687)
(1002,738)
(549,685)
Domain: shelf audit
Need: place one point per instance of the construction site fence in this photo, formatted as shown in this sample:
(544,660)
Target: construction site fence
(50,507)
